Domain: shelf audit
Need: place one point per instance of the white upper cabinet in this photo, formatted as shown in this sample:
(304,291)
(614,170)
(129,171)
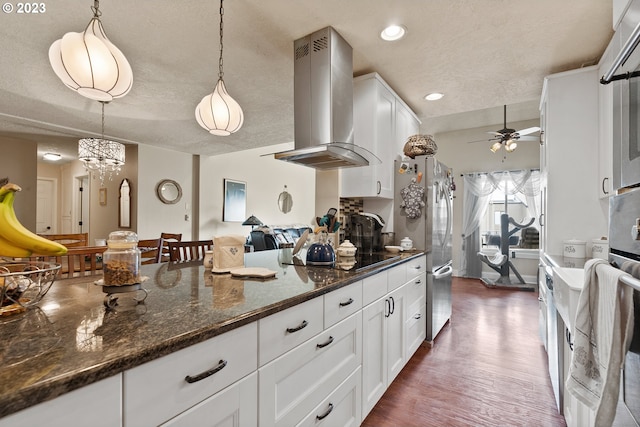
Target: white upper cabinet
(619,8)
(569,115)
(605,121)
(381,124)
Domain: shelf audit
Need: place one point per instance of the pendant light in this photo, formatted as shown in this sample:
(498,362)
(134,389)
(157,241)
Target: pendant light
(218,112)
(90,64)
(101,155)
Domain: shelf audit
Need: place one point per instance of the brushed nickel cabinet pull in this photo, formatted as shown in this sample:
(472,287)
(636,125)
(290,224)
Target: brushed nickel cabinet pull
(196,378)
(297,328)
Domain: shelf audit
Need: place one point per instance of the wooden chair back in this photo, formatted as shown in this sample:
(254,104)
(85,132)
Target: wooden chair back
(78,261)
(189,250)
(150,250)
(69,240)
(166,238)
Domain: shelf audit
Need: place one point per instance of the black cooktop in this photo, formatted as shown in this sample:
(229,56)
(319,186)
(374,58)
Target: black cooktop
(369,260)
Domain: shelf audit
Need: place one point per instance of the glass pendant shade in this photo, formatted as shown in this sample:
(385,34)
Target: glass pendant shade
(496,146)
(90,64)
(219,113)
(510,146)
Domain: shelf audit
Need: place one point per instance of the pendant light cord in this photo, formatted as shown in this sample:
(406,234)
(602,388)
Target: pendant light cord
(220,72)
(96,9)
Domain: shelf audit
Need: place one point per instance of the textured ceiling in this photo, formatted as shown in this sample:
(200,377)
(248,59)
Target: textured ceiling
(480,53)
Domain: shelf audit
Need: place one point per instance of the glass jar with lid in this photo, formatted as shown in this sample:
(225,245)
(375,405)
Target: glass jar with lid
(121,260)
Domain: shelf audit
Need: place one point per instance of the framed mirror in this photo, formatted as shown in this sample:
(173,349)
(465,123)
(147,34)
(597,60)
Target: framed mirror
(124,211)
(285,201)
(169,191)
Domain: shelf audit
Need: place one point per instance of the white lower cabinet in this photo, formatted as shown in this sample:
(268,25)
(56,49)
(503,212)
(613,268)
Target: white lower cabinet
(235,406)
(416,325)
(342,408)
(294,384)
(98,404)
(383,341)
(416,321)
(326,361)
(161,389)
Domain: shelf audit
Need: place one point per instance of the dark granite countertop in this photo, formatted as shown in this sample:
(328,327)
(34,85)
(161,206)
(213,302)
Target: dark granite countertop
(71,340)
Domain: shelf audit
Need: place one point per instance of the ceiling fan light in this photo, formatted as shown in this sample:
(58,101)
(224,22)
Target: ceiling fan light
(219,113)
(495,146)
(511,146)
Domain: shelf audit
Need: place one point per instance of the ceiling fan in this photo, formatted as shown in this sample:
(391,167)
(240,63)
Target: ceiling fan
(509,137)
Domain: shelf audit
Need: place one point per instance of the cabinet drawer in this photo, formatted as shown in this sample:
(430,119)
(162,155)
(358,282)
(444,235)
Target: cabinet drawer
(397,277)
(416,266)
(342,303)
(374,287)
(98,404)
(417,287)
(294,384)
(343,407)
(158,390)
(236,405)
(283,331)
(416,326)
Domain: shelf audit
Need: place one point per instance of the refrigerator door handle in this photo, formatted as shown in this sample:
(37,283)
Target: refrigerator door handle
(443,272)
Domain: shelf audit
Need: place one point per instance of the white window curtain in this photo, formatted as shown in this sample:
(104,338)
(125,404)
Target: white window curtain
(478,188)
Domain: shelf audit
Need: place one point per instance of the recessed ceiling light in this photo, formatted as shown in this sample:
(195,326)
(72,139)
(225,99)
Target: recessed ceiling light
(393,33)
(54,157)
(434,96)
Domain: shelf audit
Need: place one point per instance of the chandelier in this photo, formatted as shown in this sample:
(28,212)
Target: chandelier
(90,64)
(100,155)
(218,112)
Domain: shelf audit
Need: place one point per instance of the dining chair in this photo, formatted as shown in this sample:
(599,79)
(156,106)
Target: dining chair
(166,238)
(69,240)
(77,262)
(150,250)
(189,250)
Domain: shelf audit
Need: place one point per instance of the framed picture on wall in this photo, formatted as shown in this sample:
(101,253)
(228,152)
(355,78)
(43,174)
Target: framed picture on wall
(235,201)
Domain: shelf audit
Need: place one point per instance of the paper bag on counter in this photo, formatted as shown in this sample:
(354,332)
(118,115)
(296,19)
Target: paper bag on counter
(228,253)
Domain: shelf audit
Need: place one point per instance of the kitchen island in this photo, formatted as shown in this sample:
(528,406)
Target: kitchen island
(72,341)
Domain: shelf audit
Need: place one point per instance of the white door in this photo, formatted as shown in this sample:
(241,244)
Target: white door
(46,197)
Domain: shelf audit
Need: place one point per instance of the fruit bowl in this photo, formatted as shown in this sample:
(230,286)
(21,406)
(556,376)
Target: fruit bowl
(24,283)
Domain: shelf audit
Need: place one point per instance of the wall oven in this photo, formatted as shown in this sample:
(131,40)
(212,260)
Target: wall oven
(624,253)
(624,74)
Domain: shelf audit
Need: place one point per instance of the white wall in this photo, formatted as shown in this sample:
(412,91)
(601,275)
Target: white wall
(153,216)
(265,178)
(456,152)
(19,163)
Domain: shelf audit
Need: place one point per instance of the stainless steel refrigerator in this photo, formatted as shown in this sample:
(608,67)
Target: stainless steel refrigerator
(423,211)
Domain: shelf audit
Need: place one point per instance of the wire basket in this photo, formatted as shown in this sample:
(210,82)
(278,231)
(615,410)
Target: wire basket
(24,283)
(420,145)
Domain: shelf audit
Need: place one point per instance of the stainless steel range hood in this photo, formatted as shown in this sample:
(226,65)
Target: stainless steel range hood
(323,104)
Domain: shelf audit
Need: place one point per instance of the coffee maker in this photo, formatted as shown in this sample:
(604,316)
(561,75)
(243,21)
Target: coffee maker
(364,230)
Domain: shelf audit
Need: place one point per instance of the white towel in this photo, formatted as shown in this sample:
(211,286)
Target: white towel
(603,330)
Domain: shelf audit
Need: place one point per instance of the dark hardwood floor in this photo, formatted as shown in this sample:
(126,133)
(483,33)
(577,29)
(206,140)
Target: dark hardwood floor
(487,367)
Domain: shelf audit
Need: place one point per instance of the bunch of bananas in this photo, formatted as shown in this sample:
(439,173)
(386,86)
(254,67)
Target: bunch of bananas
(15,239)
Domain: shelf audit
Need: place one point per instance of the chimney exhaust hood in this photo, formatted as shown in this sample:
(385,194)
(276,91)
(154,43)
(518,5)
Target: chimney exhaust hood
(323,104)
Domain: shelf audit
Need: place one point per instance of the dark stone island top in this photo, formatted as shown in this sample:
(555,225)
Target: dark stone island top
(71,340)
